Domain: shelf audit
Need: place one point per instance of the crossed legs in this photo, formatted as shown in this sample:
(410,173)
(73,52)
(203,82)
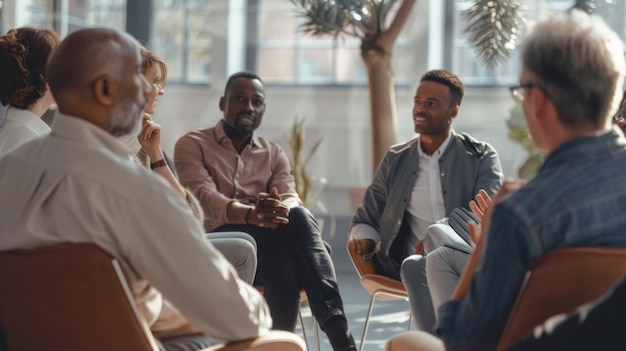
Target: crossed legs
(425,300)
(291,257)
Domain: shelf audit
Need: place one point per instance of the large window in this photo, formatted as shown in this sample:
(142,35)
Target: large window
(180,28)
(284,55)
(80,14)
(462,58)
(182,36)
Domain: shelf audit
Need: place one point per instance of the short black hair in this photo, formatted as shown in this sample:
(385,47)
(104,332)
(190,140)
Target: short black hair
(449,79)
(243,74)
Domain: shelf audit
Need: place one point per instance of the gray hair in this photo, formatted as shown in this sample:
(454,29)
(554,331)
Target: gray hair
(578,61)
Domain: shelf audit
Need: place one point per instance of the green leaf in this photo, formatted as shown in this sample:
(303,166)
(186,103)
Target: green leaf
(494,27)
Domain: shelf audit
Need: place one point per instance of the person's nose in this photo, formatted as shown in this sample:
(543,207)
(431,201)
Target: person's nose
(418,108)
(247,105)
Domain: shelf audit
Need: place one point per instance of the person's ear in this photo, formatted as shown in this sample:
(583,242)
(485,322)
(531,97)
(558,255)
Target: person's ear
(222,104)
(104,91)
(452,112)
(540,101)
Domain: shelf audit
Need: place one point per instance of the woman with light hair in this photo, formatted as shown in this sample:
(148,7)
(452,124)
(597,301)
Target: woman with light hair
(145,146)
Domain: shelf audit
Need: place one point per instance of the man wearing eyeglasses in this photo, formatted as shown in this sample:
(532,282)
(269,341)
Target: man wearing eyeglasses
(420,182)
(571,79)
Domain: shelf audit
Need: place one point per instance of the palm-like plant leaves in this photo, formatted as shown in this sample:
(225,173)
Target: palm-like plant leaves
(364,19)
(309,187)
(493,27)
(299,159)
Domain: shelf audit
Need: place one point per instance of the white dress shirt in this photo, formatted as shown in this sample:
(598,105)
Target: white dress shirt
(18,127)
(421,213)
(426,205)
(78,184)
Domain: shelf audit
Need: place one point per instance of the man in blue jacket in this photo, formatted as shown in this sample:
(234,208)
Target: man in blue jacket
(421,181)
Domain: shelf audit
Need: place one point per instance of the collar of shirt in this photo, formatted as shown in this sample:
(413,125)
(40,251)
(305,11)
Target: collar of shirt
(75,128)
(439,151)
(26,118)
(585,149)
(220,135)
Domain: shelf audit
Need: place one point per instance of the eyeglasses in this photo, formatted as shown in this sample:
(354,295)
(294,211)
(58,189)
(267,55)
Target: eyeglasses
(517,91)
(619,117)
(158,86)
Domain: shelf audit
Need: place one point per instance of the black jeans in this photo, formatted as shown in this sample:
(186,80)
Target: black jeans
(291,257)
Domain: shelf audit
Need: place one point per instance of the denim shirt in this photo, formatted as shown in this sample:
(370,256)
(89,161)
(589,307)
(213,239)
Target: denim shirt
(577,198)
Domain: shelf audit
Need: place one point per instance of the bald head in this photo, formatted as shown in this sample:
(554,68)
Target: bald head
(85,55)
(95,74)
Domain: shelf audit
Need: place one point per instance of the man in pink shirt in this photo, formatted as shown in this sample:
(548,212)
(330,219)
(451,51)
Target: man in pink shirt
(244,183)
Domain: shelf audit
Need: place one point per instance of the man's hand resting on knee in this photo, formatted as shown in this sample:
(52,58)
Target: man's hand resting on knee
(366,248)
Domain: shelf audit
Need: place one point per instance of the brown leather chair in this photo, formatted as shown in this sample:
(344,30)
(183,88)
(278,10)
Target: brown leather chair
(560,281)
(378,286)
(74,297)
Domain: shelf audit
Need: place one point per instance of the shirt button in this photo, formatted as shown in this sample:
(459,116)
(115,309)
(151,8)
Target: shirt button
(443,174)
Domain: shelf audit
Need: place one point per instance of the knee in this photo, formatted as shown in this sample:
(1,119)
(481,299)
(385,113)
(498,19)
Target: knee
(302,221)
(414,341)
(439,259)
(437,235)
(246,249)
(300,213)
(412,266)
(248,239)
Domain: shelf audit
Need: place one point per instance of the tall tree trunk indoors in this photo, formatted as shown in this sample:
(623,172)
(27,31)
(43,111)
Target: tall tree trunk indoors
(493,28)
(383,113)
(376,52)
(365,19)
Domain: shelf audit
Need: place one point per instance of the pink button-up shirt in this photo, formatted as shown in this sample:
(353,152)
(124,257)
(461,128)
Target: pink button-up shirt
(209,165)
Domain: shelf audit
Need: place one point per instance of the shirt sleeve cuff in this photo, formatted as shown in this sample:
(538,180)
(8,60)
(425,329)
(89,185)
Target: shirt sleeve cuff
(364,231)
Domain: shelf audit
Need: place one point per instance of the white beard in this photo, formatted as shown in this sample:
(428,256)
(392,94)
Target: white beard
(126,116)
(126,124)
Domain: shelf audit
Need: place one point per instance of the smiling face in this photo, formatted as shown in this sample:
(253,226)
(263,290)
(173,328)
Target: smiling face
(153,76)
(432,109)
(244,105)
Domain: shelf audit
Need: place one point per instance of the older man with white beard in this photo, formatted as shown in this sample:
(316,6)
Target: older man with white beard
(79,185)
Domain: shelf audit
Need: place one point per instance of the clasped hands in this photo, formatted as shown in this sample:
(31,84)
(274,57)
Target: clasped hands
(269,211)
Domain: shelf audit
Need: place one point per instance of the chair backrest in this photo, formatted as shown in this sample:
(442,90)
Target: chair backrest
(362,266)
(560,281)
(68,297)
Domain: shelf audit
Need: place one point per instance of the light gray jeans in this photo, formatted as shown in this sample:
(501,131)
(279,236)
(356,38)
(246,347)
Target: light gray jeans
(444,267)
(416,272)
(239,249)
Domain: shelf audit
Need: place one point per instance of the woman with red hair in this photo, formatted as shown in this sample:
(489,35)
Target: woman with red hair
(24,88)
